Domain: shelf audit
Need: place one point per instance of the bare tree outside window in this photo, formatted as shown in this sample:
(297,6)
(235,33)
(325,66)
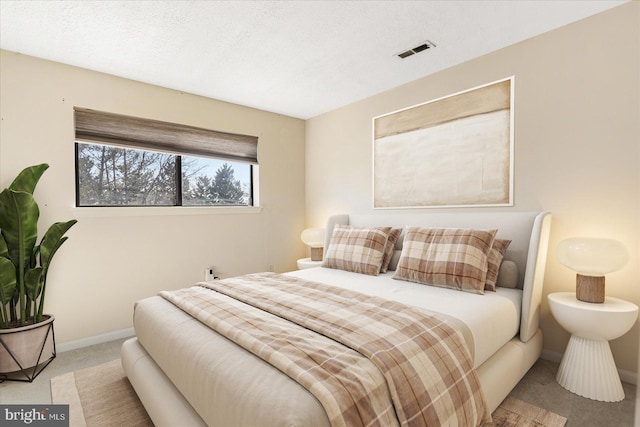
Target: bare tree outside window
(115,176)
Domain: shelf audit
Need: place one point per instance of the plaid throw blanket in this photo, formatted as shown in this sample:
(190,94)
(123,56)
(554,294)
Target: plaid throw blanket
(369,361)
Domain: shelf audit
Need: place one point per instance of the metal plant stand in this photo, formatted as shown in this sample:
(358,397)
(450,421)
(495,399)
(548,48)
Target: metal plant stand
(29,373)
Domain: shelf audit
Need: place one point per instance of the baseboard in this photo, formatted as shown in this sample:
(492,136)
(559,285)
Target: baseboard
(552,356)
(96,339)
(625,376)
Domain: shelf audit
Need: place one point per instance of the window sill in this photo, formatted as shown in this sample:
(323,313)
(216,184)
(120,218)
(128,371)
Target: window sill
(124,211)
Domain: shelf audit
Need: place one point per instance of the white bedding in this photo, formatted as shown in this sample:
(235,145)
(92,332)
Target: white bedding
(493,318)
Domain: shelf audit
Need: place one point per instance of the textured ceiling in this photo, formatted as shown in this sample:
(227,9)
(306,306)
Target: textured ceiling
(298,58)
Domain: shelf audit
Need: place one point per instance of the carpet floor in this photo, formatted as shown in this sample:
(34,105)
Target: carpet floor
(101,396)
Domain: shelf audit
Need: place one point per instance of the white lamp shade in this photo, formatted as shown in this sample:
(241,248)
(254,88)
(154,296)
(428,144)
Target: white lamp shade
(591,256)
(313,237)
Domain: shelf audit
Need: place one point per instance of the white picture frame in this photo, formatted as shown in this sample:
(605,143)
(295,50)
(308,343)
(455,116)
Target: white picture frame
(454,151)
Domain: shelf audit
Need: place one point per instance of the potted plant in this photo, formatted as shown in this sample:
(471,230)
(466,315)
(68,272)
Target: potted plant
(27,343)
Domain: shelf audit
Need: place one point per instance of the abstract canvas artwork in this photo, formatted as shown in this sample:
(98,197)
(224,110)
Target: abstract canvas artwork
(454,151)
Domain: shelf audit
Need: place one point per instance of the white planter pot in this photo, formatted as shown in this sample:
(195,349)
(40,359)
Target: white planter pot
(25,351)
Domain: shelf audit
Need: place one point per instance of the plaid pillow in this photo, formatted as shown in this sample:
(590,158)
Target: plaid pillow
(390,248)
(493,262)
(357,249)
(446,257)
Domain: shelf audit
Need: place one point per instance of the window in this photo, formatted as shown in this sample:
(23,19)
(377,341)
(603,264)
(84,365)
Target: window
(126,161)
(116,176)
(215,182)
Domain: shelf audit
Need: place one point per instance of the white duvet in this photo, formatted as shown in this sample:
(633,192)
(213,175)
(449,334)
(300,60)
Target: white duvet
(492,318)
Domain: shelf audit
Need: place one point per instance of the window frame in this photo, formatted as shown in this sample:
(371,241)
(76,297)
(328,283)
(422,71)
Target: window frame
(177,180)
(127,132)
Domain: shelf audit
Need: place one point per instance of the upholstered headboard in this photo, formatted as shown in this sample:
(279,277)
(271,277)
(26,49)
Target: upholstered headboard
(528,232)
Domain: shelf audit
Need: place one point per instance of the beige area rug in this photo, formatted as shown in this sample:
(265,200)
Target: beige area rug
(101,396)
(516,413)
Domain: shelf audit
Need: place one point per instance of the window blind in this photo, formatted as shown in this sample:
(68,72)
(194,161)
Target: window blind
(117,129)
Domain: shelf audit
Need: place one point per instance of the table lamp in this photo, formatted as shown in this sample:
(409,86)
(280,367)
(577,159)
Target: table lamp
(591,258)
(314,238)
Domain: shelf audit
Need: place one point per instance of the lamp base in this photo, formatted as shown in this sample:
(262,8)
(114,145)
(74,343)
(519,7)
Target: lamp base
(316,254)
(590,288)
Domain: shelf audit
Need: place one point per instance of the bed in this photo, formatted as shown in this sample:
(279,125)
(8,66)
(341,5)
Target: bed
(187,374)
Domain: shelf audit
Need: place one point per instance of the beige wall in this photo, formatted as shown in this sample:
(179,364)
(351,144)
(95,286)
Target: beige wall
(577,155)
(115,256)
(577,138)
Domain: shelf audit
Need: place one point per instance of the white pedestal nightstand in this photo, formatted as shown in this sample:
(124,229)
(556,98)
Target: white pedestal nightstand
(307,263)
(587,368)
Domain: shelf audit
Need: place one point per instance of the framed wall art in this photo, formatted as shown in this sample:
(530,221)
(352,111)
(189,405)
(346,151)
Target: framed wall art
(455,151)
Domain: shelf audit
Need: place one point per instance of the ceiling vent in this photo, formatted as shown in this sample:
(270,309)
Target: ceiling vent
(420,48)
